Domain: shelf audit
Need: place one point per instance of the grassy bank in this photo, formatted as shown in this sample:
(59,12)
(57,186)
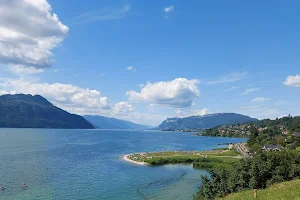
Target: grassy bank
(215,163)
(200,159)
(283,191)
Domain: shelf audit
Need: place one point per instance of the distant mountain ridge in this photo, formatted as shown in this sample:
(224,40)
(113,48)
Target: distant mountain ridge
(102,122)
(204,122)
(27,111)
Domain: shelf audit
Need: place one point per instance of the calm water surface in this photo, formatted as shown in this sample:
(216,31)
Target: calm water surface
(87,164)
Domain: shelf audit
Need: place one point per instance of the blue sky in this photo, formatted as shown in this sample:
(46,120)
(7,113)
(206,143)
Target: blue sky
(145,62)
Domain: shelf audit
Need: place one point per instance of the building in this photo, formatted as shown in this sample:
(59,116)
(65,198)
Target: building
(272,147)
(285,132)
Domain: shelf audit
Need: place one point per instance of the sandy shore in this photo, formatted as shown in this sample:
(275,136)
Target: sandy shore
(125,157)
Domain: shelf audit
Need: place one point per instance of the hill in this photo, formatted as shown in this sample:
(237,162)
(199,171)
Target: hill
(284,131)
(27,111)
(204,122)
(283,191)
(279,126)
(102,122)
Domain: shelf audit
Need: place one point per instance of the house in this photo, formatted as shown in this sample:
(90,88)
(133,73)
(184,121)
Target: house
(285,132)
(297,134)
(272,147)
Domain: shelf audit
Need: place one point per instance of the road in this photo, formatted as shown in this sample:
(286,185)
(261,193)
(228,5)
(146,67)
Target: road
(242,149)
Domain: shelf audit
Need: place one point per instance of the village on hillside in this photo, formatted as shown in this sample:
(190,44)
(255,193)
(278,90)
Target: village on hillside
(270,134)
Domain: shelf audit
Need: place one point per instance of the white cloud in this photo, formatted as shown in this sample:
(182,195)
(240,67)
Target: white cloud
(130,68)
(200,112)
(178,93)
(229,78)
(247,91)
(169,9)
(29,31)
(111,13)
(21,70)
(260,99)
(123,109)
(293,81)
(187,113)
(67,96)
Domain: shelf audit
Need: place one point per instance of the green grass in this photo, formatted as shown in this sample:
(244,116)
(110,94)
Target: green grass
(215,162)
(224,148)
(204,159)
(227,153)
(283,191)
(198,162)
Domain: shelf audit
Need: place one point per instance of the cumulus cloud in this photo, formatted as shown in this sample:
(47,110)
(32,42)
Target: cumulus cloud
(178,93)
(229,78)
(21,70)
(29,31)
(249,90)
(123,109)
(185,113)
(293,81)
(66,96)
(260,99)
(169,9)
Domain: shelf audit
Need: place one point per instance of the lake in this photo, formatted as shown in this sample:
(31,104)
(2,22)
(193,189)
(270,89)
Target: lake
(88,164)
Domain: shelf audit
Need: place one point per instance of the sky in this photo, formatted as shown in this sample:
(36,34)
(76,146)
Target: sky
(144,62)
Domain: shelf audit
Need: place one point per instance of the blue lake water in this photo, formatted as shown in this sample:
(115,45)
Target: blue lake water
(87,164)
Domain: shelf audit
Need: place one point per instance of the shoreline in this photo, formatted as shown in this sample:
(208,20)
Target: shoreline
(125,157)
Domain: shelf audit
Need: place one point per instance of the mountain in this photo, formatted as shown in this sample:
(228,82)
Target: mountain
(102,122)
(203,122)
(27,111)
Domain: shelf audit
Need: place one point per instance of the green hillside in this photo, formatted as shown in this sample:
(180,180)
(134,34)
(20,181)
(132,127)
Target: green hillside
(283,191)
(27,111)
(194,123)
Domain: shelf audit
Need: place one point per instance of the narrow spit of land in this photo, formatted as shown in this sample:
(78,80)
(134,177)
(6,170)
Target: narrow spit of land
(221,157)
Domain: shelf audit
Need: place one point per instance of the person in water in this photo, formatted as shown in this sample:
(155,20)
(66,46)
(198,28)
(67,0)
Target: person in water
(24,186)
(3,188)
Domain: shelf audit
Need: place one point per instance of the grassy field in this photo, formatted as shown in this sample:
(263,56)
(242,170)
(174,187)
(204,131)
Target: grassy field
(215,162)
(200,159)
(283,191)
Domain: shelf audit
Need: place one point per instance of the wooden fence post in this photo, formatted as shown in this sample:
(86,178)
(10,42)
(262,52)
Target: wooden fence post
(255,193)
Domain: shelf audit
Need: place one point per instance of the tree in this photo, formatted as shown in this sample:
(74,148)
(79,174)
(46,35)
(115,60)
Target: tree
(253,135)
(206,190)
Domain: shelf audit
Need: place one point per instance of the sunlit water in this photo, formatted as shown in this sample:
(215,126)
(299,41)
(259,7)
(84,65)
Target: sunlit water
(87,164)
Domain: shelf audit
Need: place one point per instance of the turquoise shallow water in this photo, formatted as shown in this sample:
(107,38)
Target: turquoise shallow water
(87,164)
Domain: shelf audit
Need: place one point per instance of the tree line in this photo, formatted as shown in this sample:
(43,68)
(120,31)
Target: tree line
(258,172)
